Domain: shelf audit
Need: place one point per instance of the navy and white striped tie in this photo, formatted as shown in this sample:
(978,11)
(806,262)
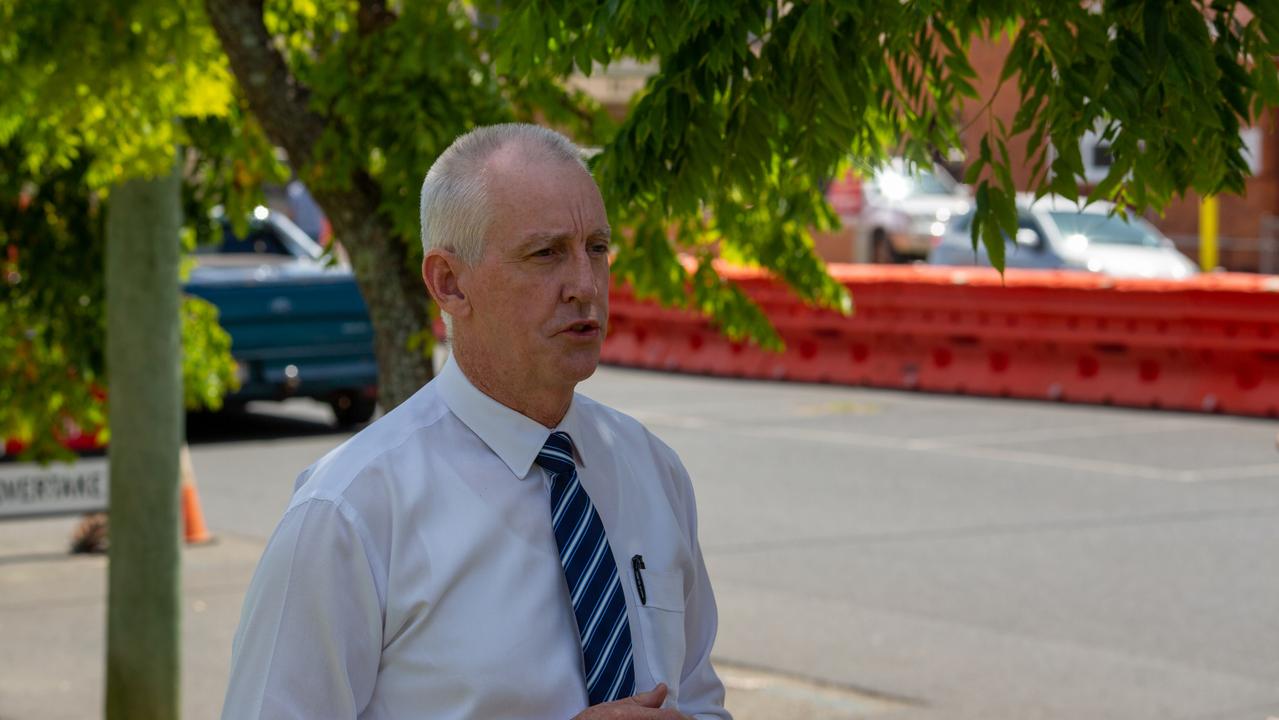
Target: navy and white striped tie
(592,577)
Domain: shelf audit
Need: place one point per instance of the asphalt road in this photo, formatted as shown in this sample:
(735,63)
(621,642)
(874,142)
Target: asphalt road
(919,556)
(984,558)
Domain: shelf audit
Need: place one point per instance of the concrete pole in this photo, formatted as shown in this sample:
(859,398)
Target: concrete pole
(146,416)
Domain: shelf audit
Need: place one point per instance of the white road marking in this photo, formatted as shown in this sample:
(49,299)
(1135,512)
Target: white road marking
(1078,432)
(1105,467)
(1239,472)
(968,446)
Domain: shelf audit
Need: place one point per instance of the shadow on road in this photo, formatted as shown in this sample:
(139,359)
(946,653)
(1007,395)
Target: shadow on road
(258,423)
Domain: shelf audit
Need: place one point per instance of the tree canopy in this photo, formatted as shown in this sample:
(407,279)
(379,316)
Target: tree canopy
(755,103)
(52,319)
(93,94)
(752,107)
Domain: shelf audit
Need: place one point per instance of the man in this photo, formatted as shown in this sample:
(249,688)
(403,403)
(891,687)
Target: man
(497,546)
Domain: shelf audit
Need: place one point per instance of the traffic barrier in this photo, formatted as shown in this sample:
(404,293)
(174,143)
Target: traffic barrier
(1209,343)
(194,530)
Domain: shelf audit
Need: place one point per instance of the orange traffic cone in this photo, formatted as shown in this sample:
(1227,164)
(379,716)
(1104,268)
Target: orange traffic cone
(194,531)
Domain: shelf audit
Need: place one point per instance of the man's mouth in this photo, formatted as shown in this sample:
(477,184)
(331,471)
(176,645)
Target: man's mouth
(583,329)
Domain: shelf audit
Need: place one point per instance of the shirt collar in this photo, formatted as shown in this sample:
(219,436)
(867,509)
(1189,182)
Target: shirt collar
(513,437)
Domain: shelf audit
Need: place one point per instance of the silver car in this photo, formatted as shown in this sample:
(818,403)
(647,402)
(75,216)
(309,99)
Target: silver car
(906,210)
(1056,233)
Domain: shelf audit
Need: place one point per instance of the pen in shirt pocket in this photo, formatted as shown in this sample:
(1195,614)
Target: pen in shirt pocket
(637,564)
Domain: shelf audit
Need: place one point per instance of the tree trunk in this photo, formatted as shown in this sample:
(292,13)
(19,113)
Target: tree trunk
(399,306)
(145,405)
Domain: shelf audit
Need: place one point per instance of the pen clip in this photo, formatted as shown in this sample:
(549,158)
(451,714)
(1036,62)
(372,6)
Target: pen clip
(637,564)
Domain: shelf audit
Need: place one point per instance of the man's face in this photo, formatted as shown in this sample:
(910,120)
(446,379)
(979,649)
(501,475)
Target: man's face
(539,295)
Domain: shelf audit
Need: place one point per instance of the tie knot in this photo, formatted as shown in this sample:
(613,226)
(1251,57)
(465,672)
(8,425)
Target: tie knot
(556,455)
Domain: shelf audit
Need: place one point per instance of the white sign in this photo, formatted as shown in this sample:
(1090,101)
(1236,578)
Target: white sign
(28,489)
(1252,148)
(1096,156)
(1095,153)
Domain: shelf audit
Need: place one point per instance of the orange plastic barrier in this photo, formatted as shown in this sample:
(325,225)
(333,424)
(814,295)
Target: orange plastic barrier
(1210,343)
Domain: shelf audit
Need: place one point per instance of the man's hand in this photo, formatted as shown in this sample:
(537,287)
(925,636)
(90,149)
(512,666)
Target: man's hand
(640,706)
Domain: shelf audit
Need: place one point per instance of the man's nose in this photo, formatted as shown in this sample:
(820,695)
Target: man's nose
(581,285)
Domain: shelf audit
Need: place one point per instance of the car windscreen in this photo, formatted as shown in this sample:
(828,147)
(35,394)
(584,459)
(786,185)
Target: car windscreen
(895,185)
(260,240)
(958,232)
(1106,229)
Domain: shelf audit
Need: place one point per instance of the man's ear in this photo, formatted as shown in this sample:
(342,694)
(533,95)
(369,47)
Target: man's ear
(442,271)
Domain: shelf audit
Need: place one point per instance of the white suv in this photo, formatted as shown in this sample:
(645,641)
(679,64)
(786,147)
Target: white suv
(905,212)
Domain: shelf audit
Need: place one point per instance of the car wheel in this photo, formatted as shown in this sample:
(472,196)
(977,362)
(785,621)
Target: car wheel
(882,250)
(351,409)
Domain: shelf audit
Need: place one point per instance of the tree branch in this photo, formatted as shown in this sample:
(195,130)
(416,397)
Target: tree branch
(392,290)
(279,100)
(372,16)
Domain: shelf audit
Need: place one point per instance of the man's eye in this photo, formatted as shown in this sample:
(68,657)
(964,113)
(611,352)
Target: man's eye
(544,252)
(601,248)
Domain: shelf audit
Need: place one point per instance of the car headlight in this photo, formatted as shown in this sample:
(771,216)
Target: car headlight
(924,224)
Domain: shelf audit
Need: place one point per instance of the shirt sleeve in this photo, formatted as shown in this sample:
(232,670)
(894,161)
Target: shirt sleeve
(701,693)
(310,634)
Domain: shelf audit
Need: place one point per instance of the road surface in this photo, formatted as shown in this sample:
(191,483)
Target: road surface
(874,554)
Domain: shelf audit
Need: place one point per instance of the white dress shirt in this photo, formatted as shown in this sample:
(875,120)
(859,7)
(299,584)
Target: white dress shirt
(415,573)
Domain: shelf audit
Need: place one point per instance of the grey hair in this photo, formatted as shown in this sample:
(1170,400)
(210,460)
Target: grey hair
(455,206)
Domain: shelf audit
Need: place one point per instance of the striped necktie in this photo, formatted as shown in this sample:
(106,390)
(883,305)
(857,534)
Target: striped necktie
(591,573)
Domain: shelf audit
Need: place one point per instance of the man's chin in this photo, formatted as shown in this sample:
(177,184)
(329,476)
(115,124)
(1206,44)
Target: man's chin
(581,366)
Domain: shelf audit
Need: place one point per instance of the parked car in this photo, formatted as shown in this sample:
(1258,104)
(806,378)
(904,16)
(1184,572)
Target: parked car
(905,209)
(1057,233)
(298,324)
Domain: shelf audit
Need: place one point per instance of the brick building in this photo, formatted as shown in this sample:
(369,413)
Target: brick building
(1248,224)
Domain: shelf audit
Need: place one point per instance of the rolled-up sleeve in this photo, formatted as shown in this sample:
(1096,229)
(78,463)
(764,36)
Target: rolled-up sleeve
(310,634)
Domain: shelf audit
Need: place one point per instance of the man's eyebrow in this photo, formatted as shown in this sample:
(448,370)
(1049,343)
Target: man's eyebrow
(551,236)
(536,238)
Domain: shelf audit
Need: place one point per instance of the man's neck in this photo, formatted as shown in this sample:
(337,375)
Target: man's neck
(545,406)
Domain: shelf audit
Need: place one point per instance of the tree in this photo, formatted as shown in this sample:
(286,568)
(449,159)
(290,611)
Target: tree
(753,107)
(53,320)
(100,123)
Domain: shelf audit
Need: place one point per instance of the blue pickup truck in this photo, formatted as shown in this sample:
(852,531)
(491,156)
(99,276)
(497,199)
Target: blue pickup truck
(298,324)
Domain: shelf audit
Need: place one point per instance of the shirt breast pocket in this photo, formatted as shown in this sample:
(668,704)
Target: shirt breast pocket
(662,628)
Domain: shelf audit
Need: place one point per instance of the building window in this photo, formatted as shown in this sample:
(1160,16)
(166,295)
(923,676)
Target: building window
(1096,155)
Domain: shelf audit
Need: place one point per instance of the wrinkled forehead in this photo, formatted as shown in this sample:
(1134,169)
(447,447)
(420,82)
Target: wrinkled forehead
(547,194)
